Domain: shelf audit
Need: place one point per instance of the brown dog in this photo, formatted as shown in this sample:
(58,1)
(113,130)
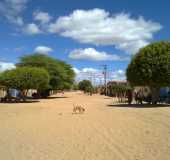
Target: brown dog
(78,109)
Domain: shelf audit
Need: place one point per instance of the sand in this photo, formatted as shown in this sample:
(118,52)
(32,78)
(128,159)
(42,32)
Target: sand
(47,130)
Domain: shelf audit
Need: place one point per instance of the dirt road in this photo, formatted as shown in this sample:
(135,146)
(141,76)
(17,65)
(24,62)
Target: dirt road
(47,130)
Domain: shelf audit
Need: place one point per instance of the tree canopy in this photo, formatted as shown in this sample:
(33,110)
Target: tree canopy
(61,73)
(25,78)
(85,86)
(151,66)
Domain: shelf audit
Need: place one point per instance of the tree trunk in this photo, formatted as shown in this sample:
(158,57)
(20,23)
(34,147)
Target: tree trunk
(23,95)
(155,94)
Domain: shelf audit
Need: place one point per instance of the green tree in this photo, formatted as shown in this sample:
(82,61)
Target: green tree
(151,67)
(61,73)
(85,86)
(25,78)
(75,86)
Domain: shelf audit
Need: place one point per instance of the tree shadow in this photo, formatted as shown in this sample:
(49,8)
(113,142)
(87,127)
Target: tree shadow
(18,102)
(57,97)
(108,98)
(138,105)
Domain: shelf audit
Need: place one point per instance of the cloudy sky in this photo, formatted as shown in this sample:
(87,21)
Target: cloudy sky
(86,34)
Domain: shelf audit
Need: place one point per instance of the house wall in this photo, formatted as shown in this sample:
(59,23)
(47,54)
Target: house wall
(2,93)
(14,92)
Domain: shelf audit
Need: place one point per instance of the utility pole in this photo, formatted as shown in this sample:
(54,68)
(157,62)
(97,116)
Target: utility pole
(105,77)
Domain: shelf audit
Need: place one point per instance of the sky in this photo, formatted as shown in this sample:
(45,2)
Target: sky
(86,34)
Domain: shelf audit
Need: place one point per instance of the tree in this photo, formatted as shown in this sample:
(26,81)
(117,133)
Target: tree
(151,67)
(75,86)
(85,86)
(67,79)
(61,73)
(25,78)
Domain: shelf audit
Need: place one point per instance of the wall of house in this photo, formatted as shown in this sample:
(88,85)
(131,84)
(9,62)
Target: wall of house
(2,93)
(14,92)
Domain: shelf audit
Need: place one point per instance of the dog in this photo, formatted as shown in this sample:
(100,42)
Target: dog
(78,109)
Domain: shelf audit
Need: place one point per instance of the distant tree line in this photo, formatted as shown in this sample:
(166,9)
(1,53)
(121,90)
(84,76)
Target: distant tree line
(86,86)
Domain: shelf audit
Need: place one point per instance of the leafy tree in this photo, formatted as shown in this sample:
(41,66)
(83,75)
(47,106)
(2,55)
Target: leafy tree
(85,86)
(68,76)
(75,86)
(151,67)
(61,73)
(25,78)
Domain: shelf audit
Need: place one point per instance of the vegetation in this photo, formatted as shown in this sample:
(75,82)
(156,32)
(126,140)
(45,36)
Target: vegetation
(25,78)
(61,73)
(118,89)
(75,86)
(39,72)
(151,67)
(86,86)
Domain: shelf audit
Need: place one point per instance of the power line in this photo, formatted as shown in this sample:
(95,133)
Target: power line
(99,77)
(105,77)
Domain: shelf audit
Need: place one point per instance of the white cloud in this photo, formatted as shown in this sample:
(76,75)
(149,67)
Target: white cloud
(91,70)
(6,66)
(42,17)
(87,73)
(11,10)
(92,54)
(118,75)
(43,50)
(31,29)
(18,20)
(98,27)
(77,71)
(96,75)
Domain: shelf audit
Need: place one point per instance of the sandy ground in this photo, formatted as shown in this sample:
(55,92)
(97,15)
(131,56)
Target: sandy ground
(47,130)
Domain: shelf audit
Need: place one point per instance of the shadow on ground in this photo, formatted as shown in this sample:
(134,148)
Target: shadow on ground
(29,100)
(56,97)
(138,105)
(13,102)
(108,98)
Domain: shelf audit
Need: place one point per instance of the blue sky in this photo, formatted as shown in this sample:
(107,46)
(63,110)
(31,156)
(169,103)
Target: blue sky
(86,34)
